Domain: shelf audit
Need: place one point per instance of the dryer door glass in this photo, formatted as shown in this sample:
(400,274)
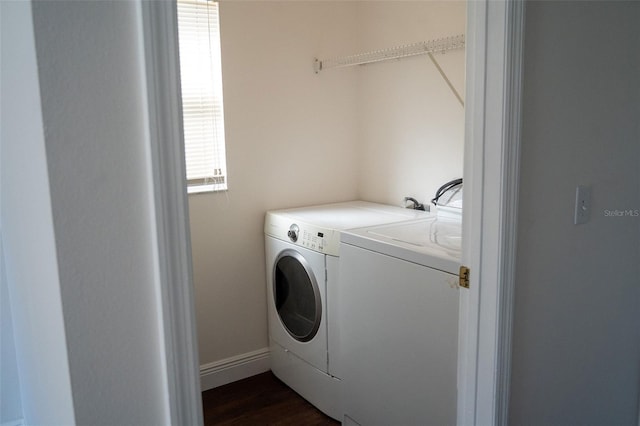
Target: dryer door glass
(296,296)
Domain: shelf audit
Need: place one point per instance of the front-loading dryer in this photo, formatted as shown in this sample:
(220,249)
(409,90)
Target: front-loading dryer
(302,258)
(297,297)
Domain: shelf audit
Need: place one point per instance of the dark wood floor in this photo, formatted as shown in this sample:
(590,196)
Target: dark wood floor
(259,400)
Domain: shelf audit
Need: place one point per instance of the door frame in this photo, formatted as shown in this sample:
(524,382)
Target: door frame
(491,173)
(495,36)
(158,39)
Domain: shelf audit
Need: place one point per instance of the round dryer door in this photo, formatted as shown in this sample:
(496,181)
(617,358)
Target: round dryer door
(296,296)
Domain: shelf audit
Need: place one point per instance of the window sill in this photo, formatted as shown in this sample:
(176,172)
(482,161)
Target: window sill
(201,189)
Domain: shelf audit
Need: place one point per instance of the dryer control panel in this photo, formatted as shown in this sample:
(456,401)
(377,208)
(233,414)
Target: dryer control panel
(313,241)
(294,232)
(303,234)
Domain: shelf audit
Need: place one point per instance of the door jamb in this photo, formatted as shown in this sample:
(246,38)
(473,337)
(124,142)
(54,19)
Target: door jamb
(159,26)
(495,49)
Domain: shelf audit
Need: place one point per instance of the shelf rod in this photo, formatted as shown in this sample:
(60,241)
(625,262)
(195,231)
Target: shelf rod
(446,79)
(440,45)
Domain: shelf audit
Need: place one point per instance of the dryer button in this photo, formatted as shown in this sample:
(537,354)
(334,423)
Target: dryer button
(293,232)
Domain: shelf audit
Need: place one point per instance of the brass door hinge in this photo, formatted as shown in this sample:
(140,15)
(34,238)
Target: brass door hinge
(464,277)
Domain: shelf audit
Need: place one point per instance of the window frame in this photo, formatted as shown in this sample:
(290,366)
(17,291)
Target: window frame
(202,97)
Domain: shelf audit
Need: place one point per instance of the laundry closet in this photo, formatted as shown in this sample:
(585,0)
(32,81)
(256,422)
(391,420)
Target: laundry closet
(296,137)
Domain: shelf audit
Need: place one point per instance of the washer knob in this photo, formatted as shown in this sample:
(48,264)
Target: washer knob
(293,232)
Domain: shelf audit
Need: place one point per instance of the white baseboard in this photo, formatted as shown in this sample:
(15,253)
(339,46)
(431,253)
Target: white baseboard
(238,367)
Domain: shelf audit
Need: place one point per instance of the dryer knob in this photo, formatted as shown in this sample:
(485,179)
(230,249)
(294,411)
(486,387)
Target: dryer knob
(293,232)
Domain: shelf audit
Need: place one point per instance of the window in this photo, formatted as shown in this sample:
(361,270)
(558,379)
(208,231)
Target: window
(202,107)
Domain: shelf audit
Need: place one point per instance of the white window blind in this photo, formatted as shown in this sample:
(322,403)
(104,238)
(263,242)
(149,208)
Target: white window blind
(202,107)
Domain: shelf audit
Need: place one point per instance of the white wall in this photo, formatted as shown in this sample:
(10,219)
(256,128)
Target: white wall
(93,108)
(28,236)
(10,399)
(290,142)
(411,126)
(576,336)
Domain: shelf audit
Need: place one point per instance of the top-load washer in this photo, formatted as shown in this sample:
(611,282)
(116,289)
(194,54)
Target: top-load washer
(302,248)
(399,300)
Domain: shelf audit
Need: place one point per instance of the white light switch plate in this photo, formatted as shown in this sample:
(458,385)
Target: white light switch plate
(583,205)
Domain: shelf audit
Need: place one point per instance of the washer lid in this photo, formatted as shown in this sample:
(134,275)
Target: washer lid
(433,242)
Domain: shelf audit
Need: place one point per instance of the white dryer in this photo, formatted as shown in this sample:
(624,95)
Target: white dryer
(302,248)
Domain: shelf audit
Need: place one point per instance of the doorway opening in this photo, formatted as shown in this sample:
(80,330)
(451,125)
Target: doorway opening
(173,220)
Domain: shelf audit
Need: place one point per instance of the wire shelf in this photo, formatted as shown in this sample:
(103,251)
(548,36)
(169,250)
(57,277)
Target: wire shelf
(440,45)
